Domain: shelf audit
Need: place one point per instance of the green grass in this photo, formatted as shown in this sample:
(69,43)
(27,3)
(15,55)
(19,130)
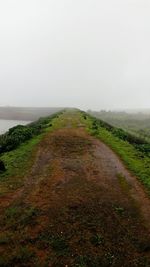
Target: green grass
(16,160)
(137,124)
(119,210)
(19,161)
(136,161)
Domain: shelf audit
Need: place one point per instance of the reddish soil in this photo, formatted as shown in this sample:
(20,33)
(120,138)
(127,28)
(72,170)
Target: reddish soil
(79,207)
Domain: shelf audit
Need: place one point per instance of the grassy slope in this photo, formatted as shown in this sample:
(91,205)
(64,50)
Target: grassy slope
(137,124)
(135,161)
(19,161)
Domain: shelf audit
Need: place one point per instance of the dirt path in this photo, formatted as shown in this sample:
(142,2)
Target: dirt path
(79,207)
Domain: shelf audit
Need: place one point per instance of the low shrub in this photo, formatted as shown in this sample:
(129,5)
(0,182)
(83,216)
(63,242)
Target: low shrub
(19,134)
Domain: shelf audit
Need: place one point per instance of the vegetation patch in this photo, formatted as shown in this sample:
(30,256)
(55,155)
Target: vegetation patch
(97,240)
(20,215)
(119,210)
(18,149)
(57,242)
(137,124)
(18,161)
(19,134)
(135,152)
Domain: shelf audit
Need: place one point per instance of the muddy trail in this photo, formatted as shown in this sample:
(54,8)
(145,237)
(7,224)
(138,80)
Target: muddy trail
(79,207)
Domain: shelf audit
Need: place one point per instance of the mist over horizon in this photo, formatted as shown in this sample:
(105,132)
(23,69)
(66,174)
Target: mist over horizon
(83,54)
(38,108)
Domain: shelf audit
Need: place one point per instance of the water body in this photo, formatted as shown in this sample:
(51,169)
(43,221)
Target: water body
(5,125)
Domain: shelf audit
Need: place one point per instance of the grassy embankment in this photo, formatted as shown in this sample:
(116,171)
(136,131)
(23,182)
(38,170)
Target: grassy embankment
(134,151)
(137,124)
(77,231)
(18,149)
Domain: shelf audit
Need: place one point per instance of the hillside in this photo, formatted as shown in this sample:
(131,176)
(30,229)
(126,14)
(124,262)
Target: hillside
(67,199)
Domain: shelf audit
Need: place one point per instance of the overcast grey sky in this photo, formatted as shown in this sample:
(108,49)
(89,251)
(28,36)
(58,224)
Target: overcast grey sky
(82,53)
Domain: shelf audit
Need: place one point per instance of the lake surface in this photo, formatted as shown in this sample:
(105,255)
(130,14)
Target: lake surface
(5,125)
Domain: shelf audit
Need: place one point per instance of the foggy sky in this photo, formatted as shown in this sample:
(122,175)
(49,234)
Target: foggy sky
(82,53)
